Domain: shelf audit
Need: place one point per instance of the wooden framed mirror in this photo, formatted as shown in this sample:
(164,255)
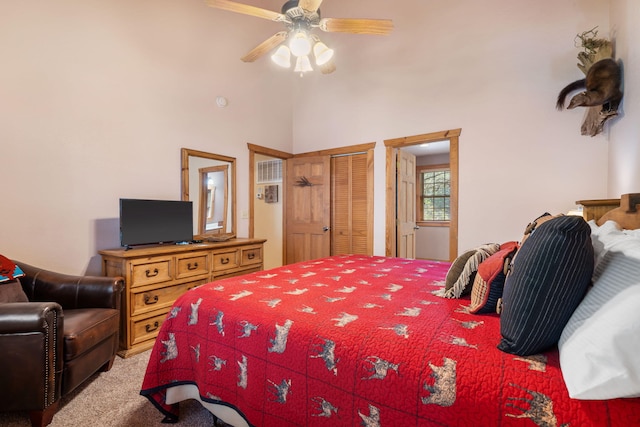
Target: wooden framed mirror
(208,181)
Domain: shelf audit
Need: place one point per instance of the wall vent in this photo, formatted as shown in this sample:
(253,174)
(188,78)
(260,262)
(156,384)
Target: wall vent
(269,171)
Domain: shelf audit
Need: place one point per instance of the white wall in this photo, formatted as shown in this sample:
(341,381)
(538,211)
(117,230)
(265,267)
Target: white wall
(493,68)
(432,243)
(624,154)
(98,97)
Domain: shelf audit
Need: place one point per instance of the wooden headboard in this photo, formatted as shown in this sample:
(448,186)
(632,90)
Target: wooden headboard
(625,211)
(594,209)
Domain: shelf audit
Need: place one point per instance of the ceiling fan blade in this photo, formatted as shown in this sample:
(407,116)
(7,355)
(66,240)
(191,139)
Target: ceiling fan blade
(328,67)
(356,26)
(265,46)
(246,9)
(310,5)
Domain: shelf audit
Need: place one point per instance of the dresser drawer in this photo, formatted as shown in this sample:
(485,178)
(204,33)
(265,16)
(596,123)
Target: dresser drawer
(190,265)
(146,300)
(225,260)
(251,255)
(147,328)
(147,272)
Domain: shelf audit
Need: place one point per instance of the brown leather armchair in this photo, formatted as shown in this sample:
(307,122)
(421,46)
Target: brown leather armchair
(48,346)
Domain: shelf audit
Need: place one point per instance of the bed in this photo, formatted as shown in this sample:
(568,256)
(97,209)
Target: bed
(369,340)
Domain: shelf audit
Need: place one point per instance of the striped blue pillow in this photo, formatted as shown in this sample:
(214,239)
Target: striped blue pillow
(548,279)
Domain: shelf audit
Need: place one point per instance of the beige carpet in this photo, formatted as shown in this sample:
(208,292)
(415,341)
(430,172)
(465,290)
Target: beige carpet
(112,399)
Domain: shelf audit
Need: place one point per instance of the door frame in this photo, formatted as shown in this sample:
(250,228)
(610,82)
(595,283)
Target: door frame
(392,146)
(265,151)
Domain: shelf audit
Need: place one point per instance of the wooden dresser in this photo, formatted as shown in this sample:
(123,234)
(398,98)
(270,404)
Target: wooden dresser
(157,275)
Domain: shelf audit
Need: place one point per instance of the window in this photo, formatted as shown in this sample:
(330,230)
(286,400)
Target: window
(434,186)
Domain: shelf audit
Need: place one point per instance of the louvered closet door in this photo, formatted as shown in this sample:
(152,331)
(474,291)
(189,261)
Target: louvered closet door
(351,204)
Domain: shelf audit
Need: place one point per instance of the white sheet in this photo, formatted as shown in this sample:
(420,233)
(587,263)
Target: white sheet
(190,391)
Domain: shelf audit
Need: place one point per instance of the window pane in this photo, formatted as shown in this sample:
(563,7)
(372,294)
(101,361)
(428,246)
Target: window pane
(435,197)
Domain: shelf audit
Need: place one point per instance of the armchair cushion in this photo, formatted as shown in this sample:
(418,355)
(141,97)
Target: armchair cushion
(11,291)
(86,328)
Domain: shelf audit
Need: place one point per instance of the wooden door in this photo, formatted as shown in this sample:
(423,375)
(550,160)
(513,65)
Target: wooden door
(352,204)
(308,208)
(406,205)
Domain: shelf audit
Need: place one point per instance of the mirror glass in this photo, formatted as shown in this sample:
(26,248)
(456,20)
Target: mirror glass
(208,181)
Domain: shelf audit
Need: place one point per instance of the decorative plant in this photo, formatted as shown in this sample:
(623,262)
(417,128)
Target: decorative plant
(589,41)
(304,182)
(593,48)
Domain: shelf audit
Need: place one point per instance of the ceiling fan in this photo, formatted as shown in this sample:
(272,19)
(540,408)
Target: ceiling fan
(300,17)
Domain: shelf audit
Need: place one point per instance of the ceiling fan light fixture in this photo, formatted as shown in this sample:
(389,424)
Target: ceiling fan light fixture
(282,57)
(303,65)
(300,44)
(322,53)
(301,18)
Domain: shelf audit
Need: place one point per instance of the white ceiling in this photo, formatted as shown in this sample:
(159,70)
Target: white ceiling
(431,148)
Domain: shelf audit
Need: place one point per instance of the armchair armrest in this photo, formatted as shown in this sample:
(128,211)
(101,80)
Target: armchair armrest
(30,317)
(71,291)
(31,340)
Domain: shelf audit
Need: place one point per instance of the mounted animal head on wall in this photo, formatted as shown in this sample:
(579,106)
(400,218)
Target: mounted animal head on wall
(601,85)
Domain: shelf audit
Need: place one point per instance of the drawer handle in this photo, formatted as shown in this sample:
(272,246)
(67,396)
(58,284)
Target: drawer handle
(150,328)
(194,267)
(224,261)
(150,299)
(150,274)
(251,255)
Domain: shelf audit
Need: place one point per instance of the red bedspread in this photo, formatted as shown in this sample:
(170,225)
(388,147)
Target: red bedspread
(357,340)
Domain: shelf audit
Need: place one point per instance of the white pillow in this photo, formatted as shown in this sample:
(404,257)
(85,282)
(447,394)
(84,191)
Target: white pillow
(600,345)
(635,233)
(604,237)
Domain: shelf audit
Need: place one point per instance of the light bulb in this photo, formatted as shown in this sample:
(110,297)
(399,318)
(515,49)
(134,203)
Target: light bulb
(303,65)
(282,57)
(322,53)
(300,44)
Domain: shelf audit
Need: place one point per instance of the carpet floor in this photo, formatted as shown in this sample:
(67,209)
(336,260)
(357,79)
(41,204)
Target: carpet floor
(112,399)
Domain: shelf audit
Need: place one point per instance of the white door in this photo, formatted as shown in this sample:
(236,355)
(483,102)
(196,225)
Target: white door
(406,205)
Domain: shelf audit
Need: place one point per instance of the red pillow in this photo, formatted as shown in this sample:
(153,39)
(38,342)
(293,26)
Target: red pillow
(9,270)
(489,282)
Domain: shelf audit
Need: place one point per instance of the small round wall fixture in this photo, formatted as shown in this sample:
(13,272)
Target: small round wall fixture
(221,101)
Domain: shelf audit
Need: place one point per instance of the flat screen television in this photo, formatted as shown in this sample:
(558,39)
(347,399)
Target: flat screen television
(144,222)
